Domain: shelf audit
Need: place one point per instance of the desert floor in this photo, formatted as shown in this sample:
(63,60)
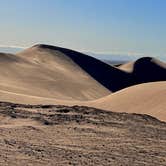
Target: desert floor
(60,135)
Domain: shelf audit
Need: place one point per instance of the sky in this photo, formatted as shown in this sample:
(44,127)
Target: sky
(134,27)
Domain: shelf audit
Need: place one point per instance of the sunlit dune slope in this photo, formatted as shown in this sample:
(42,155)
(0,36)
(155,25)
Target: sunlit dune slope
(147,98)
(47,73)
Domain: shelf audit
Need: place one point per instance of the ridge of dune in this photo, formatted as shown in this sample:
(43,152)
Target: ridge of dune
(146,98)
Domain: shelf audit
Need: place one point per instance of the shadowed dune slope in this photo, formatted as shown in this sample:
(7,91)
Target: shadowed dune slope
(146,69)
(147,98)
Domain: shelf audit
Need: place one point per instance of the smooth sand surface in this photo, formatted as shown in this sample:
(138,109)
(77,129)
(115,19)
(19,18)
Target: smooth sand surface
(40,72)
(147,98)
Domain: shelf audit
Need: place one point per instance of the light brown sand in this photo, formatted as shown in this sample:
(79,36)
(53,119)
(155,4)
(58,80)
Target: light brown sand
(47,74)
(148,98)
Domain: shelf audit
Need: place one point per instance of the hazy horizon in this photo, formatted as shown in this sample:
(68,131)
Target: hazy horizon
(121,57)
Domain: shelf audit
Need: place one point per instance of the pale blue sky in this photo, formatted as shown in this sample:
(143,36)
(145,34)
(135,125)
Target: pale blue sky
(107,26)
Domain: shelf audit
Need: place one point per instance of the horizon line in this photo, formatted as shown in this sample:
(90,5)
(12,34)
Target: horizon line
(88,52)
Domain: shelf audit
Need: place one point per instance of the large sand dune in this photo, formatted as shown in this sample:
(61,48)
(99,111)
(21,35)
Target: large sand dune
(110,77)
(47,73)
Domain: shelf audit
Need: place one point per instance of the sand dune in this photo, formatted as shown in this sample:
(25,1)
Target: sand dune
(153,62)
(46,73)
(146,69)
(110,77)
(147,98)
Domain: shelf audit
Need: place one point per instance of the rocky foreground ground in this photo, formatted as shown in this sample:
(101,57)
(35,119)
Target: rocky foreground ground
(61,135)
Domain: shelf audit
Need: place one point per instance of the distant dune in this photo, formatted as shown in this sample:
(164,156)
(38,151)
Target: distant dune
(146,69)
(110,77)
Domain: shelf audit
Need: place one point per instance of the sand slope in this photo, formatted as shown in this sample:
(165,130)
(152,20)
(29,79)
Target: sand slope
(47,73)
(52,72)
(110,77)
(147,98)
